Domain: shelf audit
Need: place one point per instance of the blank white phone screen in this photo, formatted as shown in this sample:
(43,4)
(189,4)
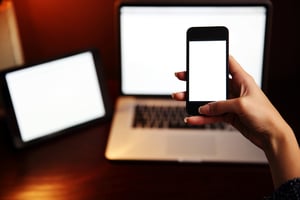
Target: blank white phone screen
(55,95)
(207,70)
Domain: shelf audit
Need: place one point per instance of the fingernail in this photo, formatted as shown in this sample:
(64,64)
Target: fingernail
(185,120)
(199,110)
(175,74)
(172,95)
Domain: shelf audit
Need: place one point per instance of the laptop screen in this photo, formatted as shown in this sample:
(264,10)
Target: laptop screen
(153,42)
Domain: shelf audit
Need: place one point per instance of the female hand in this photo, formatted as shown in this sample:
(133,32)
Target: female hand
(248,109)
(251,112)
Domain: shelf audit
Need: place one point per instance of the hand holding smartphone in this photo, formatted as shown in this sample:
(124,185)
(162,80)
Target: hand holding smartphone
(207,66)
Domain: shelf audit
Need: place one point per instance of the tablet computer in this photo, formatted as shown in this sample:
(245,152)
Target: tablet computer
(53,97)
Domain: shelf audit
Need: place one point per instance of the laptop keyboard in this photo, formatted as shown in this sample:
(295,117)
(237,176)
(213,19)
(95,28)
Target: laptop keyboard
(166,117)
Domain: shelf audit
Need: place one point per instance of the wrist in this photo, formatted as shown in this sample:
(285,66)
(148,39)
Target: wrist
(281,138)
(283,154)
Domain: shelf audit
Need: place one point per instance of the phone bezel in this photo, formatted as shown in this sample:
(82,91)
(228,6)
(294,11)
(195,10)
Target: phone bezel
(204,34)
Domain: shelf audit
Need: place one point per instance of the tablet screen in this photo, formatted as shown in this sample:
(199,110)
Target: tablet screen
(55,95)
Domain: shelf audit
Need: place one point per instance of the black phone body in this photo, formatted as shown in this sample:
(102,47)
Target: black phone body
(207,66)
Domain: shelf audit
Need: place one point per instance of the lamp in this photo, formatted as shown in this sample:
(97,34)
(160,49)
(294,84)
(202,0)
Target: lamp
(10,45)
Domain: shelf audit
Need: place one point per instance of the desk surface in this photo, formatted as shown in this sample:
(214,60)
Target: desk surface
(74,167)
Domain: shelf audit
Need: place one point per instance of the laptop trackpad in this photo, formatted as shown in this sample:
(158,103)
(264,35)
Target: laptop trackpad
(192,145)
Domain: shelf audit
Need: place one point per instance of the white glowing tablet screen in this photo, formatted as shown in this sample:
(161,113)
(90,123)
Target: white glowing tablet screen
(56,95)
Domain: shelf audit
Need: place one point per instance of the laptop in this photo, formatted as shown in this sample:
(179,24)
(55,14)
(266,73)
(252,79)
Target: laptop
(53,97)
(153,47)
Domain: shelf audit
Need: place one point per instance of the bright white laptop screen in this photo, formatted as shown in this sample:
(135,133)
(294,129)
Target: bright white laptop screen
(153,42)
(55,95)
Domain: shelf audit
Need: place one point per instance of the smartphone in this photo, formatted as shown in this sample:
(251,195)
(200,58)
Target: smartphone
(207,66)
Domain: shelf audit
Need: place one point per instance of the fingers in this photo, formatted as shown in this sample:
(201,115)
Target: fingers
(214,108)
(181,75)
(179,96)
(200,120)
(219,107)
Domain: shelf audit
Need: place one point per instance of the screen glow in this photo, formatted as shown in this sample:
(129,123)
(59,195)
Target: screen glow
(55,95)
(153,42)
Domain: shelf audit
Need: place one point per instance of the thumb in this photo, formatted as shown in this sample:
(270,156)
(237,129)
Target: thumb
(218,107)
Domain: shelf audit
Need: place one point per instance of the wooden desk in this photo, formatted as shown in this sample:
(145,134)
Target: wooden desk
(73,167)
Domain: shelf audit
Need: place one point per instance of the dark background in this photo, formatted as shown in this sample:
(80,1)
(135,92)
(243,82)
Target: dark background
(74,167)
(52,28)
